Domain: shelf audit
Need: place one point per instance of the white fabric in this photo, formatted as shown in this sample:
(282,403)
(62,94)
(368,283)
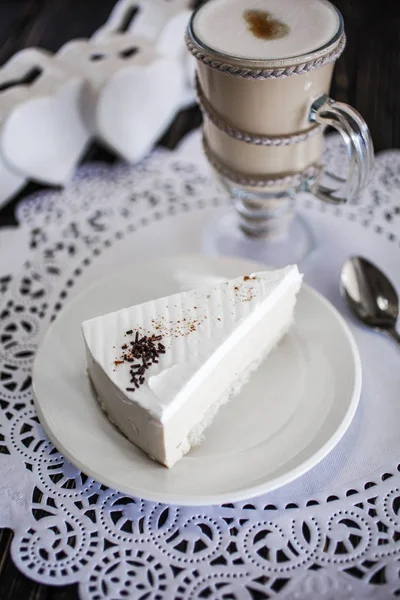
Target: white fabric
(331,534)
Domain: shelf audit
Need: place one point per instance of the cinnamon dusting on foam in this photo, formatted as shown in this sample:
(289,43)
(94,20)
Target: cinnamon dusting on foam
(264,26)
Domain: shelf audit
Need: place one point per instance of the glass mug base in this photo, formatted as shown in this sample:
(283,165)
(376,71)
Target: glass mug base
(292,244)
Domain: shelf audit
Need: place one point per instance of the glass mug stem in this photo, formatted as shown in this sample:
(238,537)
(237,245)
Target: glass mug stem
(354,131)
(266,215)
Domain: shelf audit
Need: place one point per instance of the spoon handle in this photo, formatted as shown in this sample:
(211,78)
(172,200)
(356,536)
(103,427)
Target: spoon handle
(392,333)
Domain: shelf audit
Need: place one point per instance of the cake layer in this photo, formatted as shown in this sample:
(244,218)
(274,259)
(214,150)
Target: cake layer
(208,340)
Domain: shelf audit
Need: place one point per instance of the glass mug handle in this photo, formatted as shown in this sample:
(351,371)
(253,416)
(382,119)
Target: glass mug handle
(357,139)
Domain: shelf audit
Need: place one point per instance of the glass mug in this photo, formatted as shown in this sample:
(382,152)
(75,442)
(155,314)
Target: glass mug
(263,135)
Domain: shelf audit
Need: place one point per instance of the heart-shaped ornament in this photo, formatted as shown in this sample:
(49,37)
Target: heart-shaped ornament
(45,137)
(42,133)
(171,42)
(137,105)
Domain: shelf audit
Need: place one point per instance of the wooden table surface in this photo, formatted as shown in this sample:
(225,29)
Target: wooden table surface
(366,76)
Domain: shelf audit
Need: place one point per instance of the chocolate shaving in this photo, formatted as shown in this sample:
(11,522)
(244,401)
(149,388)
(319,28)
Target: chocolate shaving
(147,350)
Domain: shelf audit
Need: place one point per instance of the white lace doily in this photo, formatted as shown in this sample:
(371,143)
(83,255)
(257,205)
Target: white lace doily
(332,534)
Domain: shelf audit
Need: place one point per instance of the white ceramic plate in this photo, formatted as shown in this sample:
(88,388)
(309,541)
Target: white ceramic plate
(293,411)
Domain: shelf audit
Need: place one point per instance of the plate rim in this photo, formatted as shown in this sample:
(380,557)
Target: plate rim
(241,494)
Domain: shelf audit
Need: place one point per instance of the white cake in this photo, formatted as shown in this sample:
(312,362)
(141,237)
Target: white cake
(162,369)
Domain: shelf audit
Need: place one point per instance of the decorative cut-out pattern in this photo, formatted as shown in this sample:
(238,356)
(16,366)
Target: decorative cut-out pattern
(343,542)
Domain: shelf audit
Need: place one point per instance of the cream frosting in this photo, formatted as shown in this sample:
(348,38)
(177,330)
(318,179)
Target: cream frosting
(199,329)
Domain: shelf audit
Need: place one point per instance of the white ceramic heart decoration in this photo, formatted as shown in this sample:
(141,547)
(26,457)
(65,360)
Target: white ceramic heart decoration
(171,42)
(161,22)
(11,181)
(42,133)
(164,23)
(124,86)
(95,63)
(171,39)
(137,105)
(132,92)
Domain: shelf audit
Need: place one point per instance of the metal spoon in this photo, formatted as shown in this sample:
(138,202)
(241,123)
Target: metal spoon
(370,295)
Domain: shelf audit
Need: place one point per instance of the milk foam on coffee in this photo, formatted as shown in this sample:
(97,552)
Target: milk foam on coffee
(266,29)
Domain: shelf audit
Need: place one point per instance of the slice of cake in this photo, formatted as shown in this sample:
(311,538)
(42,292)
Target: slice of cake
(162,369)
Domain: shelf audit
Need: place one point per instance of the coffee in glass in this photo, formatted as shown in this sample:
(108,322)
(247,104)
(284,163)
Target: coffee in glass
(264,70)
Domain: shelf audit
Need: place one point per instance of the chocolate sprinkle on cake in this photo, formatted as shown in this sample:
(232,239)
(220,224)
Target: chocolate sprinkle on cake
(147,349)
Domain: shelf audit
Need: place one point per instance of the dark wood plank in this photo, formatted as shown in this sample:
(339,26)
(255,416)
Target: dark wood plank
(365,75)
(48,24)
